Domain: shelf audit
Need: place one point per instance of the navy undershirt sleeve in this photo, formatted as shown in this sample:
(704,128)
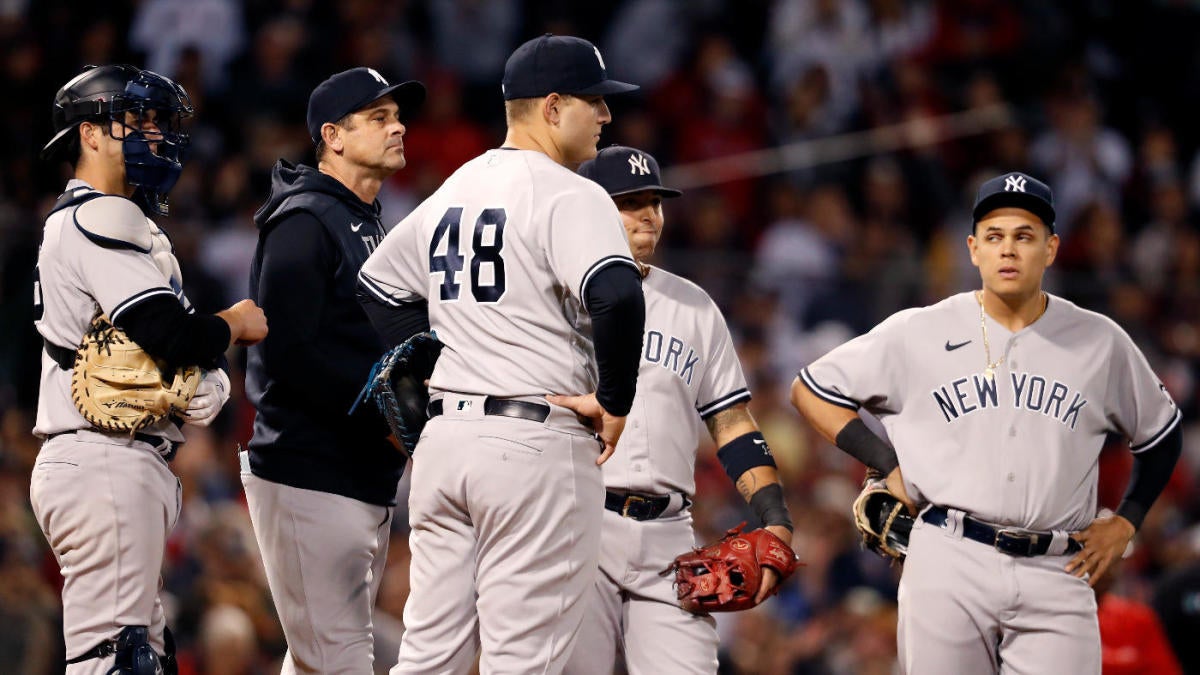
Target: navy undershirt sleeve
(618,309)
(1152,469)
(394,324)
(161,326)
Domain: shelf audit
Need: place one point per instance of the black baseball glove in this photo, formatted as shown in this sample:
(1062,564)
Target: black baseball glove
(397,387)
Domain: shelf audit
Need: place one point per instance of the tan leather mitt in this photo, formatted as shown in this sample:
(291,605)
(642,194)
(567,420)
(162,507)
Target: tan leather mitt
(117,386)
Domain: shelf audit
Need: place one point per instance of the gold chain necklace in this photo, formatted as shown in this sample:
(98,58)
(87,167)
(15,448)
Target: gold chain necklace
(990,366)
(990,370)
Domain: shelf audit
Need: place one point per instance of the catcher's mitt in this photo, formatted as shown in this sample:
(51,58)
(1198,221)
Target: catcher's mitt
(117,386)
(725,576)
(883,521)
(397,386)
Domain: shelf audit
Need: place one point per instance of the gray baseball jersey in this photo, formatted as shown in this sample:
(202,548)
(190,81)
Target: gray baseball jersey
(505,512)
(502,251)
(100,253)
(1020,449)
(80,270)
(689,371)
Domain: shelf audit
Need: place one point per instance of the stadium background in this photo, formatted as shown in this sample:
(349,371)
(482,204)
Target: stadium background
(829,149)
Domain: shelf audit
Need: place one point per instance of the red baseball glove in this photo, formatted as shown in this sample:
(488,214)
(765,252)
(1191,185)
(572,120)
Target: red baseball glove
(725,576)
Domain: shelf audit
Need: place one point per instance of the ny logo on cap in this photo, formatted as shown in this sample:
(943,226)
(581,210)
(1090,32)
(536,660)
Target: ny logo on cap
(599,58)
(639,164)
(375,74)
(1014,183)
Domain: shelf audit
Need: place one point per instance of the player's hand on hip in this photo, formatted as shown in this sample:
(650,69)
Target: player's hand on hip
(1103,542)
(247,322)
(606,425)
(895,485)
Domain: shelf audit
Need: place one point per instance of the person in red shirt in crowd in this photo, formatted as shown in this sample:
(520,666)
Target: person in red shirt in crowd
(1132,639)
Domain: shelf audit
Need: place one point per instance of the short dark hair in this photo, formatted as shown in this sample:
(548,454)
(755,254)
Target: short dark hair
(73,150)
(345,123)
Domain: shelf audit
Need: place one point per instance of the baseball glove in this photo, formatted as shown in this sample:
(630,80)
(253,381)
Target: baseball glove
(397,386)
(882,520)
(117,386)
(725,576)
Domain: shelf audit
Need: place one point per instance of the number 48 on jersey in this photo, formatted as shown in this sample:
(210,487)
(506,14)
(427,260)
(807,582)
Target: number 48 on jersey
(487,262)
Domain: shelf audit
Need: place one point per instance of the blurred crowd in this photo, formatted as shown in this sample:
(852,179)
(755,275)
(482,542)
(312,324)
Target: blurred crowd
(1100,100)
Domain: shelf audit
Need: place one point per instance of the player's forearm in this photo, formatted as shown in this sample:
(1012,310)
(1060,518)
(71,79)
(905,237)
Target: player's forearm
(748,462)
(761,489)
(162,327)
(845,429)
(1152,470)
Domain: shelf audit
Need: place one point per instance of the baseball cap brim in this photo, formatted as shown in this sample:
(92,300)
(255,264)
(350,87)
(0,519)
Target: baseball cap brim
(664,191)
(604,88)
(408,95)
(52,147)
(1018,200)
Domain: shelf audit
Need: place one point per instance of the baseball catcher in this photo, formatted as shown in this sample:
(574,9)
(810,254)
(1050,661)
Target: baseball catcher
(397,386)
(117,386)
(882,520)
(725,576)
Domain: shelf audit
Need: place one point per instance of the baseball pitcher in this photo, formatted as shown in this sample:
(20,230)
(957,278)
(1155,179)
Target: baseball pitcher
(522,270)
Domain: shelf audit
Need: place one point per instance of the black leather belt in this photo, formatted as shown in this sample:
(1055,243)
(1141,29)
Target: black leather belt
(1013,541)
(157,442)
(638,507)
(504,407)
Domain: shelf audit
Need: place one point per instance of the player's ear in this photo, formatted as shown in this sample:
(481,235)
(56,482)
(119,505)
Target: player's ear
(552,109)
(89,134)
(331,135)
(1051,249)
(972,244)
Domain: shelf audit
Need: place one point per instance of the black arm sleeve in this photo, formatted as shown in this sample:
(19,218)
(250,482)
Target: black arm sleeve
(162,327)
(1152,469)
(862,444)
(394,324)
(618,309)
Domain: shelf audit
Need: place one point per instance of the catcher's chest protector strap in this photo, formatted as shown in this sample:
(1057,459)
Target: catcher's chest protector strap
(65,358)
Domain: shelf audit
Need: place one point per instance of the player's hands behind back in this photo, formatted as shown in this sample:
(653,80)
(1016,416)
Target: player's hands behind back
(1103,542)
(607,426)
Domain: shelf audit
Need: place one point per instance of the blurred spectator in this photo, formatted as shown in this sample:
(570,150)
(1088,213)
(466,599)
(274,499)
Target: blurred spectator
(162,29)
(1177,601)
(830,34)
(1080,157)
(1132,640)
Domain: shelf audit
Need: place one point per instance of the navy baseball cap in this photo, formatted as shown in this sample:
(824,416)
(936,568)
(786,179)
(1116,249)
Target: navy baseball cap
(353,89)
(1015,190)
(558,63)
(620,170)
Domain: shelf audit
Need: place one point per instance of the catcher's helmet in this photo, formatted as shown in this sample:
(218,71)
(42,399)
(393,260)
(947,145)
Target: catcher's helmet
(107,93)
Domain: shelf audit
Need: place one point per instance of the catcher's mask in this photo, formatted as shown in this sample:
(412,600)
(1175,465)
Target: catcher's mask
(153,157)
